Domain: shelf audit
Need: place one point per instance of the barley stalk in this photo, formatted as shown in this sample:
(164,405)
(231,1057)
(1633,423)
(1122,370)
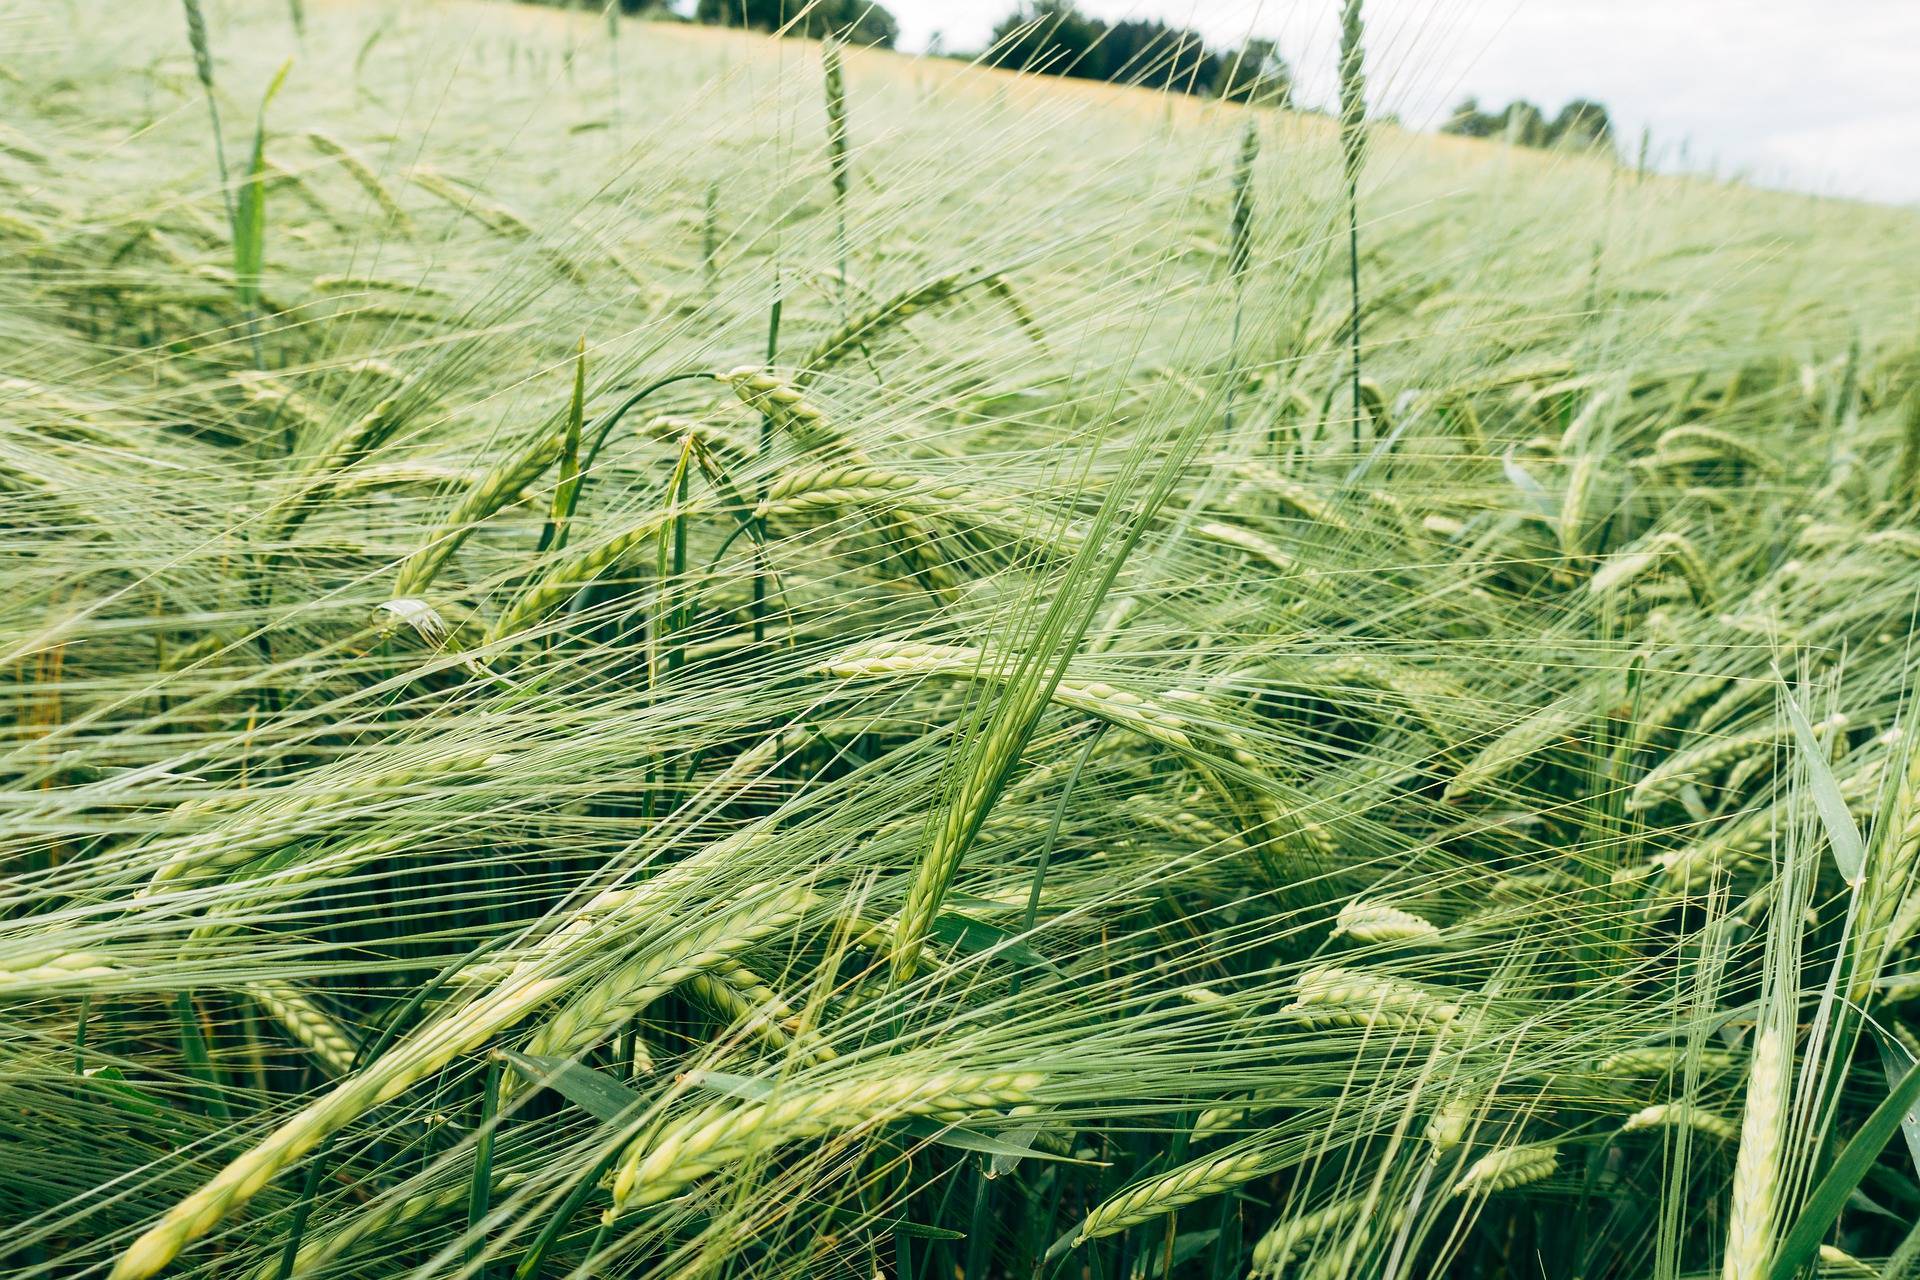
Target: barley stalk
(1353,147)
(839,164)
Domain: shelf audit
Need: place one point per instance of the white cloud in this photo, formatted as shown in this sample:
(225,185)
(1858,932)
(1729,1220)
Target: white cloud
(1818,94)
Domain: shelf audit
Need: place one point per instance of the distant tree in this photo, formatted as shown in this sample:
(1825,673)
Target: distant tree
(1469,121)
(1584,124)
(1524,125)
(1149,52)
(1257,73)
(631,8)
(1053,37)
(856,21)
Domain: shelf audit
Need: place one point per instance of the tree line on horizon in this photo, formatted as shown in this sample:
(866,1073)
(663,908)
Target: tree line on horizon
(1053,37)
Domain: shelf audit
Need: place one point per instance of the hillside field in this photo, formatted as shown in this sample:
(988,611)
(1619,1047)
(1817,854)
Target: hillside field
(638,651)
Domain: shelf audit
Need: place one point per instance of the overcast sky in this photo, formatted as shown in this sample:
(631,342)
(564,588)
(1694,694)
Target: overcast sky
(1822,95)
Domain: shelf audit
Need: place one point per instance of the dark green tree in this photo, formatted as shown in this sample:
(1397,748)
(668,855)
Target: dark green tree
(1152,53)
(1053,37)
(1582,123)
(855,21)
(1257,73)
(1469,121)
(1524,125)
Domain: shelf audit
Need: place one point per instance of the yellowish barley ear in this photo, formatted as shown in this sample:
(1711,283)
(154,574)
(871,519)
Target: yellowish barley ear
(362,173)
(1163,1195)
(1672,1115)
(307,1023)
(1332,996)
(493,491)
(1756,1169)
(1508,1167)
(1277,1247)
(1378,922)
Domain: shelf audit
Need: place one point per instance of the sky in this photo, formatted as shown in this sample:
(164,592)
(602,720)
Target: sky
(1815,95)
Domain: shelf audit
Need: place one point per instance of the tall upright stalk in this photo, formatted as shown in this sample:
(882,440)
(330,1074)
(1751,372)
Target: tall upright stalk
(838,165)
(203,69)
(1353,154)
(1240,248)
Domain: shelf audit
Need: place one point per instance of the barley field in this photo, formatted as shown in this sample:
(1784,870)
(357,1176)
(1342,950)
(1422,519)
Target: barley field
(638,651)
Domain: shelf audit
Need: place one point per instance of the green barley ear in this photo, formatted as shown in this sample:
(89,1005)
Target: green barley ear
(1906,485)
(1209,1176)
(1353,151)
(855,332)
(202,48)
(1505,1168)
(203,69)
(250,213)
(489,494)
(362,173)
(1756,1172)
(554,534)
(710,235)
(1240,230)
(1240,249)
